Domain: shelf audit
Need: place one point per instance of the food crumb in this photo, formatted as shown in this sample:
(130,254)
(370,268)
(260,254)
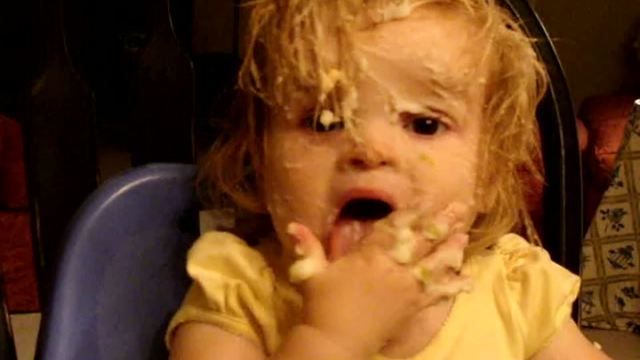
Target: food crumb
(327,118)
(424,157)
(405,245)
(304,269)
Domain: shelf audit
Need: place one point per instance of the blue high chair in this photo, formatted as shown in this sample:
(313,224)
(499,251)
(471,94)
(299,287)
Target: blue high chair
(121,275)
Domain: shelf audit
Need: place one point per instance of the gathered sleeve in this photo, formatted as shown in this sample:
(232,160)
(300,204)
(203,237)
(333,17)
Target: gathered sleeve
(232,289)
(540,292)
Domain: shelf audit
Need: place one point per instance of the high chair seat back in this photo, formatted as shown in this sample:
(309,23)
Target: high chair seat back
(122,275)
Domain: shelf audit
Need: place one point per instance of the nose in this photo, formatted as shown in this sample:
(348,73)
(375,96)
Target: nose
(370,146)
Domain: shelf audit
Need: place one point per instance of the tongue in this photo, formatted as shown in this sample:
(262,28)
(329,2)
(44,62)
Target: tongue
(346,236)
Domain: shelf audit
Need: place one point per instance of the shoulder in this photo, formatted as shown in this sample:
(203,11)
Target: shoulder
(531,291)
(527,267)
(223,265)
(227,254)
(235,288)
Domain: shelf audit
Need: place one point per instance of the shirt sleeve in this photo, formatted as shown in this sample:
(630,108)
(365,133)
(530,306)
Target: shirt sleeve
(540,291)
(232,287)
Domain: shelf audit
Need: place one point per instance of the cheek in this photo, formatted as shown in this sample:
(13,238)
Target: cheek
(461,173)
(294,173)
(446,176)
(282,160)
(279,195)
(280,181)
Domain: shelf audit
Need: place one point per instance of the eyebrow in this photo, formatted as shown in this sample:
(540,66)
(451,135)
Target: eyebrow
(437,88)
(442,83)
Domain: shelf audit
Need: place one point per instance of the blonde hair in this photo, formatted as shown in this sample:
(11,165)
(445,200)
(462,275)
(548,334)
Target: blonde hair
(284,55)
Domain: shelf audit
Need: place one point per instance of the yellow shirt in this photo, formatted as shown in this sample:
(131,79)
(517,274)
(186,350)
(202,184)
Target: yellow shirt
(520,298)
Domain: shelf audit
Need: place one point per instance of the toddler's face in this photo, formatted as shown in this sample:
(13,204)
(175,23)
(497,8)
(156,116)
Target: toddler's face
(414,144)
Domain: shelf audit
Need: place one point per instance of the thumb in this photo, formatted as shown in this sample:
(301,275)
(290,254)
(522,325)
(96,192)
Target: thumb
(312,257)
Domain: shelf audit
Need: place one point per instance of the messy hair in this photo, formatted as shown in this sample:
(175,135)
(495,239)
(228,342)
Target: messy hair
(284,55)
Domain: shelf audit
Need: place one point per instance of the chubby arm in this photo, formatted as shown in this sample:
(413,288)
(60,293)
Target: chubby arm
(570,343)
(200,341)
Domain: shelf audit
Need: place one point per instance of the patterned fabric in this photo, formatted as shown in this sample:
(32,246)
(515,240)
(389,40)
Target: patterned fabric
(610,296)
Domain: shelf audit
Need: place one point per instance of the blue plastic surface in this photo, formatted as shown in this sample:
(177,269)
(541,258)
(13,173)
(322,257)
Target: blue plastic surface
(122,275)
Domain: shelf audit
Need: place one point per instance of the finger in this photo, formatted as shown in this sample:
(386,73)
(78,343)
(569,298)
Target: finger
(438,227)
(305,242)
(312,257)
(449,288)
(443,264)
(448,255)
(414,232)
(458,215)
(400,239)
(436,292)
(405,246)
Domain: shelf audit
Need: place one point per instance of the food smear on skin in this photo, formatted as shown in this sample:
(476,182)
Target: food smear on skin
(394,10)
(435,230)
(401,104)
(328,118)
(447,258)
(426,158)
(336,87)
(406,235)
(436,275)
(305,268)
(329,81)
(405,245)
(310,259)
(448,288)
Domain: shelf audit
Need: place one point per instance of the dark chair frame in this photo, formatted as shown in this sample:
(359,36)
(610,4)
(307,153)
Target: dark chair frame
(562,224)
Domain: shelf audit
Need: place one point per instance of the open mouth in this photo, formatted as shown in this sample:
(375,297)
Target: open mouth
(364,209)
(355,221)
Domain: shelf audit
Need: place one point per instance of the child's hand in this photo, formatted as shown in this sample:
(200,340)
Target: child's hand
(359,300)
(416,234)
(362,299)
(437,242)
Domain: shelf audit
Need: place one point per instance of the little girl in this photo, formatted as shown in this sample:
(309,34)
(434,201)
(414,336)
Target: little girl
(385,141)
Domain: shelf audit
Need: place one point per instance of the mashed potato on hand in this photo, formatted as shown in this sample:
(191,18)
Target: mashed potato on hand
(434,274)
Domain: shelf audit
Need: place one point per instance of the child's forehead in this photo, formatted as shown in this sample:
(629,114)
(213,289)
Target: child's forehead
(438,23)
(434,38)
(432,17)
(375,12)
(443,43)
(326,51)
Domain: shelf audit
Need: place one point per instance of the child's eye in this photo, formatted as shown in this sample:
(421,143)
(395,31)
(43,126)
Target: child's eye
(315,124)
(425,125)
